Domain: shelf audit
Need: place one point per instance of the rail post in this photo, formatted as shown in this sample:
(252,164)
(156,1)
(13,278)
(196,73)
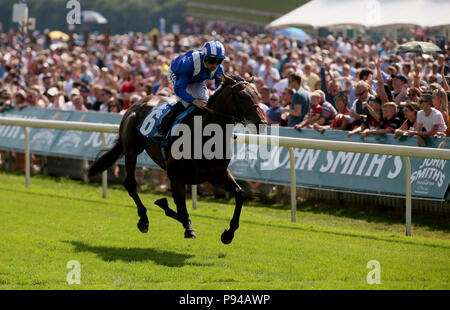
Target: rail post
(194,196)
(104,173)
(293,186)
(408,194)
(27,156)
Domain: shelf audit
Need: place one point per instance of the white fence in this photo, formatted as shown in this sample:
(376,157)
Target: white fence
(404,151)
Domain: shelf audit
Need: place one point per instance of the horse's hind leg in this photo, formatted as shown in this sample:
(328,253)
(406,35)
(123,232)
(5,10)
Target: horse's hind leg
(131,186)
(179,197)
(131,151)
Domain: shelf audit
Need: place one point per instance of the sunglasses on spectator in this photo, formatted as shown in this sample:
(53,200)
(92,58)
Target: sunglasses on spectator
(273,99)
(213,61)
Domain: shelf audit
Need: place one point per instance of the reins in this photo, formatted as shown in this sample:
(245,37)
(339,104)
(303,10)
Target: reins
(234,118)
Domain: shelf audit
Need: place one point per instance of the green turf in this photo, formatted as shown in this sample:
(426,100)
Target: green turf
(55,221)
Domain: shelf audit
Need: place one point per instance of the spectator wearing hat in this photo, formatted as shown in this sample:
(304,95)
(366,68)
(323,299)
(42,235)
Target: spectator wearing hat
(53,95)
(69,105)
(430,121)
(125,91)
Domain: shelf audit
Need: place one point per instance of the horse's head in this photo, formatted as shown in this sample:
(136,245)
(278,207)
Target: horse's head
(239,100)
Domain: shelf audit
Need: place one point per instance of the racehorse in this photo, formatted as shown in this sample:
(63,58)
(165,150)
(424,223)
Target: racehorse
(235,101)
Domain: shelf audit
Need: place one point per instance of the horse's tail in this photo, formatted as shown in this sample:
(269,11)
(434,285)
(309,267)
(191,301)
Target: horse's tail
(106,159)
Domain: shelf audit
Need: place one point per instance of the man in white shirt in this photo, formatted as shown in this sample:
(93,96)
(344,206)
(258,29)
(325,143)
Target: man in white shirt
(69,106)
(284,82)
(430,121)
(55,98)
(268,73)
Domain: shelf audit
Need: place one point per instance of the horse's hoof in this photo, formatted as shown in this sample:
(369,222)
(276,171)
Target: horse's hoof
(227,236)
(189,234)
(143,227)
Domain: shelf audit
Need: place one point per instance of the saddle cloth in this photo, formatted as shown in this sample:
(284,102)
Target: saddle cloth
(150,124)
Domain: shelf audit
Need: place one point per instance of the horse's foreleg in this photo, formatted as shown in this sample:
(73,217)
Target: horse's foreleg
(163,204)
(179,197)
(229,183)
(131,186)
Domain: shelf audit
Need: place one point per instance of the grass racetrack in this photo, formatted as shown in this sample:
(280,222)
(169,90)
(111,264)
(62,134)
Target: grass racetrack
(55,221)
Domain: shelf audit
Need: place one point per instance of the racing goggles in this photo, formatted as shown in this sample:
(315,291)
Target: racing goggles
(213,60)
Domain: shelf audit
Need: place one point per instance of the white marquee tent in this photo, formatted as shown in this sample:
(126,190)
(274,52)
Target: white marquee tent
(360,14)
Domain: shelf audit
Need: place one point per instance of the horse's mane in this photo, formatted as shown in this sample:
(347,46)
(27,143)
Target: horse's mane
(211,99)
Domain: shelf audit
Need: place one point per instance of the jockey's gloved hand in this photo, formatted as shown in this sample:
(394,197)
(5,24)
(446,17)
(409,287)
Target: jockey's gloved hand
(200,103)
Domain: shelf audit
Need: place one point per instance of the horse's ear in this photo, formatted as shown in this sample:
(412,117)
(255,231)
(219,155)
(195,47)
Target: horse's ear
(228,79)
(250,79)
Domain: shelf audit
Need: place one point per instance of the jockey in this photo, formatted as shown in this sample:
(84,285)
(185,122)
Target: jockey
(187,75)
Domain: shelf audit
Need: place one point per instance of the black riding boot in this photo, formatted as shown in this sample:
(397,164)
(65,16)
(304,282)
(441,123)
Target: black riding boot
(168,120)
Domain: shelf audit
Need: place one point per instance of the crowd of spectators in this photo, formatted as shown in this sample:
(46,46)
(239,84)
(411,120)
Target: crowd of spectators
(328,84)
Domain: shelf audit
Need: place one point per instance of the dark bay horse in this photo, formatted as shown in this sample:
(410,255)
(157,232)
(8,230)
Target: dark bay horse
(235,101)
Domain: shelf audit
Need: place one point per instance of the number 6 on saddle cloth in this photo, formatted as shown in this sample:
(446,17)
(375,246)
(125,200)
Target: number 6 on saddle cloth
(150,124)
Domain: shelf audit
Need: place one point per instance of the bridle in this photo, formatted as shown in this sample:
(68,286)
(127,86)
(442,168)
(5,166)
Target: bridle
(240,118)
